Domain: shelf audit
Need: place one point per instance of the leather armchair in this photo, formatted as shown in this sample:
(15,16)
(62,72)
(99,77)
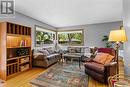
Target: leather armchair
(101,72)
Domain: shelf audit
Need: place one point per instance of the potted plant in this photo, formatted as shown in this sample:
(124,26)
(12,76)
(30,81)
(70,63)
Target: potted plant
(107,43)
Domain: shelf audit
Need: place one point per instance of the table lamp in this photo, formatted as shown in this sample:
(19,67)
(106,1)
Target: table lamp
(118,36)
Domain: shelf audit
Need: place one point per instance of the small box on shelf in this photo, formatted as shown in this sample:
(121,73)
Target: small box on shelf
(24,60)
(23,43)
(24,67)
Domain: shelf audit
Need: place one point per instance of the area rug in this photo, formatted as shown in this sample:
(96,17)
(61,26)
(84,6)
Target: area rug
(62,75)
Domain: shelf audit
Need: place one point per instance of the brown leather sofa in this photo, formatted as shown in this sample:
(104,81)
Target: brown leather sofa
(101,72)
(42,60)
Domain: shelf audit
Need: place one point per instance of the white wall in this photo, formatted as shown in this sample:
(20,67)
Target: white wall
(93,33)
(28,21)
(126,22)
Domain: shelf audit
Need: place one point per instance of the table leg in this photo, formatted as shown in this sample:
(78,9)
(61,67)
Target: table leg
(71,60)
(79,62)
(62,59)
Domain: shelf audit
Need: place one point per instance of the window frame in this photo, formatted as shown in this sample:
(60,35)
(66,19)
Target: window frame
(35,43)
(82,38)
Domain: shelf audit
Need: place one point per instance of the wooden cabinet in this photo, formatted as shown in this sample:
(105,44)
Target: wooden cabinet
(15,49)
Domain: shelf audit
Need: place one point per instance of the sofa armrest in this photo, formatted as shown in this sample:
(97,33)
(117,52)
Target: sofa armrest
(35,55)
(110,64)
(89,59)
(40,57)
(110,69)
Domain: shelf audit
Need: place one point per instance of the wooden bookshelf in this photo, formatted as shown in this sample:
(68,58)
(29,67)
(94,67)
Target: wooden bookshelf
(15,52)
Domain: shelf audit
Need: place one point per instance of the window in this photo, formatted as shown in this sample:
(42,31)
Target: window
(44,36)
(74,37)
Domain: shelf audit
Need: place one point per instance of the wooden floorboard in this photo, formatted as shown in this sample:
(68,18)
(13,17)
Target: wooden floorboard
(23,79)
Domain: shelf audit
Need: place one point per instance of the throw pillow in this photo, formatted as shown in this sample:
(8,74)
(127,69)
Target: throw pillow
(87,50)
(71,50)
(109,59)
(50,50)
(78,50)
(101,58)
(45,52)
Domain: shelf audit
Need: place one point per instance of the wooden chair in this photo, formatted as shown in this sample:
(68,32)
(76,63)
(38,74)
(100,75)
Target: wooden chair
(118,77)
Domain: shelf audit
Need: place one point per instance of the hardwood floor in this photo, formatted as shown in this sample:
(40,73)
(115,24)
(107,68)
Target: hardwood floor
(23,79)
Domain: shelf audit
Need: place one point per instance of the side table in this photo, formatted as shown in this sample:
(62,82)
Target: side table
(119,80)
(122,84)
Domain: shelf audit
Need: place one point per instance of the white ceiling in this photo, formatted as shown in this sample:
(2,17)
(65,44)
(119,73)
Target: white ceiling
(62,13)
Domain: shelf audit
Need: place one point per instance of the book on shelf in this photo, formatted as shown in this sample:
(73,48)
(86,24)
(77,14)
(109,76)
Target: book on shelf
(23,43)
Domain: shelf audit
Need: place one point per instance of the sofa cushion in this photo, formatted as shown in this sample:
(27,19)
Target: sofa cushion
(97,67)
(101,58)
(37,54)
(50,50)
(109,59)
(78,50)
(71,50)
(93,50)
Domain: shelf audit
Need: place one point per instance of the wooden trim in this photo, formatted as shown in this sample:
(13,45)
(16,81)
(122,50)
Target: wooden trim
(17,24)
(44,28)
(3,27)
(70,30)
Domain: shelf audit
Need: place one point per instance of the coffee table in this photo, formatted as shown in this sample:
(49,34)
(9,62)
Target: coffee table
(73,56)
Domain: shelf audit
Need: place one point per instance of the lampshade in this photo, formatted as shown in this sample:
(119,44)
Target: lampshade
(118,36)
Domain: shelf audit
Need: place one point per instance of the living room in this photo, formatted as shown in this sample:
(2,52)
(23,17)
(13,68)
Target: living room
(58,43)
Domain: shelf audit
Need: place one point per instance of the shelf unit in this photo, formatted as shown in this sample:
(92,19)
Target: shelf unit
(15,52)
